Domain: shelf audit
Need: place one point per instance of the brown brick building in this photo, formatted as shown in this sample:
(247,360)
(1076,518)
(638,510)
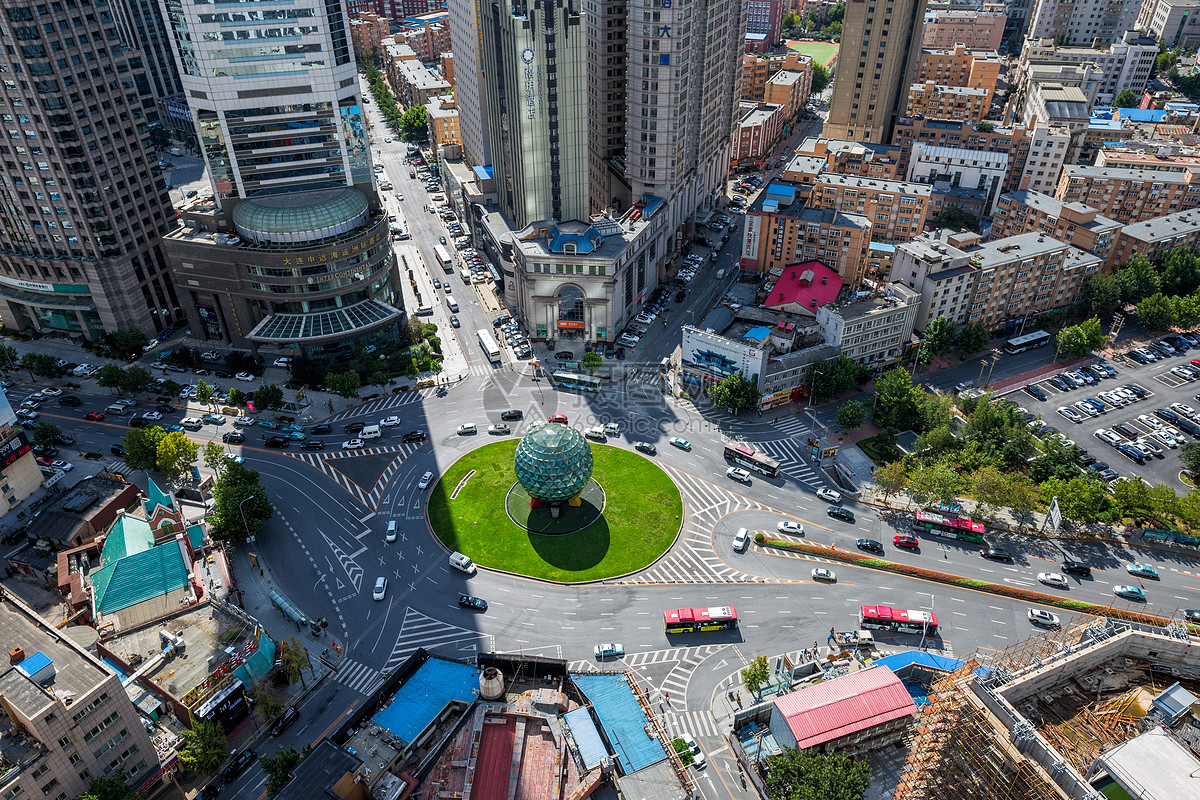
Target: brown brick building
(937,101)
(835,238)
(896,209)
(367,32)
(1074,223)
(958,66)
(1129,195)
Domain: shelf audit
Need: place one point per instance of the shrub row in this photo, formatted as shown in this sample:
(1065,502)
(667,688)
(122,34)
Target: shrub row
(967,583)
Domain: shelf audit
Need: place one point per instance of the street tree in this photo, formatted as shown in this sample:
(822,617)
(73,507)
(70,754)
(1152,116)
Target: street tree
(1180,272)
(973,338)
(828,379)
(176,454)
(46,434)
(895,400)
(1102,294)
(9,359)
(1139,279)
(203,747)
(204,390)
(735,392)
(1186,309)
(171,388)
(241,506)
(295,659)
(412,124)
(1189,455)
(989,487)
(136,380)
(107,788)
(1156,312)
(125,342)
(111,376)
(1082,499)
(890,479)
(809,775)
(266,705)
(941,335)
(41,365)
(591,361)
(344,384)
(937,483)
(235,397)
(158,137)
(756,673)
(1125,99)
(850,415)
(820,78)
(1023,496)
(141,448)
(213,455)
(683,750)
(1076,341)
(268,396)
(279,768)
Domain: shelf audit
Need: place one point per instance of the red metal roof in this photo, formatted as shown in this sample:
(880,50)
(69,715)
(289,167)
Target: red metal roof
(844,706)
(811,284)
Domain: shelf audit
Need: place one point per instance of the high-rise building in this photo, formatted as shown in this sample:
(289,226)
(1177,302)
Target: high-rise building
(84,204)
(293,249)
(1083,22)
(143,22)
(466,37)
(881,40)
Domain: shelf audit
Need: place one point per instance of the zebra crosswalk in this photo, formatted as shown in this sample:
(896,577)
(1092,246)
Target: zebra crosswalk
(419,630)
(793,459)
(359,677)
(697,723)
(384,403)
(369,497)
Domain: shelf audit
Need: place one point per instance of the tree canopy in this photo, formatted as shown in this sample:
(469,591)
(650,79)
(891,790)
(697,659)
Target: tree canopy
(1125,99)
(203,747)
(809,775)
(234,517)
(736,391)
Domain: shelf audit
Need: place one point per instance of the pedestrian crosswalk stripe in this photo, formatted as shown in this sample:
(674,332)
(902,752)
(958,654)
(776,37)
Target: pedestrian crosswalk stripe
(418,630)
(327,463)
(358,677)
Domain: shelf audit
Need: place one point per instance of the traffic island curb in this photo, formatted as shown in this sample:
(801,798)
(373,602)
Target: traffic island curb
(965,583)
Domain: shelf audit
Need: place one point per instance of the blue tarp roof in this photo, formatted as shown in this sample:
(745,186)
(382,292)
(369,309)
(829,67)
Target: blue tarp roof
(1143,114)
(781,191)
(622,718)
(591,747)
(919,658)
(770,206)
(881,247)
(423,696)
(757,334)
(35,663)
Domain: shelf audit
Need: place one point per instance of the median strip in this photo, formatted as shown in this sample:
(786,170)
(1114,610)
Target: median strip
(967,583)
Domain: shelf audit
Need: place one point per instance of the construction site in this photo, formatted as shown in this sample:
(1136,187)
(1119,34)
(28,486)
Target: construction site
(1095,709)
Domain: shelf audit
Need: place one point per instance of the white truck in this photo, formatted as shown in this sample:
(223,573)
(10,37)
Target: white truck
(860,639)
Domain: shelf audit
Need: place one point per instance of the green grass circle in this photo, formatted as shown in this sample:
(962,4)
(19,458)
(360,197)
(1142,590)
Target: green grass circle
(641,517)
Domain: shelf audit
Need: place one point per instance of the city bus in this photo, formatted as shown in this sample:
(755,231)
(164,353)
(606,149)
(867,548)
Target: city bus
(690,620)
(1027,342)
(488,345)
(746,456)
(443,257)
(574,380)
(897,619)
(950,527)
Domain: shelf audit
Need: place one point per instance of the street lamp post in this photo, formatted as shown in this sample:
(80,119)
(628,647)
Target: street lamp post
(249,538)
(925,628)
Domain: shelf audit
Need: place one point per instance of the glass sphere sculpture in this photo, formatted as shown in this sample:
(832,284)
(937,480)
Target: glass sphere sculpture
(553,462)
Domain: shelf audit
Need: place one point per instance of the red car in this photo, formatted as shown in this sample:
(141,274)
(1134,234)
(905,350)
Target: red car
(559,418)
(94,416)
(44,462)
(910,542)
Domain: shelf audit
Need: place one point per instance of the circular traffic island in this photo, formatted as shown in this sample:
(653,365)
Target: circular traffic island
(625,512)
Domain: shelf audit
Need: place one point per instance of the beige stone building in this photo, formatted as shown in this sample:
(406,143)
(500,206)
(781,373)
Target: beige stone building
(896,209)
(1074,223)
(835,238)
(441,116)
(1156,237)
(935,101)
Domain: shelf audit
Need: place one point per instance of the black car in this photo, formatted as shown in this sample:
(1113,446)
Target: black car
(117,449)
(512,413)
(1133,455)
(1086,459)
(1192,615)
(1125,430)
(1060,383)
(1138,357)
(45,452)
(165,409)
(210,792)
(64,439)
(69,400)
(290,715)
(353,427)
(1035,392)
(414,436)
(869,544)
(645,447)
(1167,416)
(278,442)
(139,422)
(1189,426)
(323,428)
(1075,568)
(996,553)
(233,436)
(837,512)
(564,355)
(237,766)
(472,602)
(313,444)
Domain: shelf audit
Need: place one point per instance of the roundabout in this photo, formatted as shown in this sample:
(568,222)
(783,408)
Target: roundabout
(627,515)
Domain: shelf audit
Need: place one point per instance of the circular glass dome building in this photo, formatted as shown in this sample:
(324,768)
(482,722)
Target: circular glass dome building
(553,462)
(301,218)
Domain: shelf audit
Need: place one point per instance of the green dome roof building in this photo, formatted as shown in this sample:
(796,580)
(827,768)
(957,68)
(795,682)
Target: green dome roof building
(553,462)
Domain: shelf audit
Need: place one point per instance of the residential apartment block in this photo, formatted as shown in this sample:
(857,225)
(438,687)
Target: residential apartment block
(782,80)
(1014,141)
(763,21)
(367,32)
(1124,64)
(959,66)
(972,29)
(441,118)
(943,278)
(958,167)
(1156,237)
(755,72)
(896,209)
(1083,22)
(1086,77)
(67,717)
(1074,223)
(428,36)
(876,330)
(1162,160)
(948,102)
(852,158)
(758,131)
(1176,22)
(1129,195)
(837,239)
(415,83)
(1061,107)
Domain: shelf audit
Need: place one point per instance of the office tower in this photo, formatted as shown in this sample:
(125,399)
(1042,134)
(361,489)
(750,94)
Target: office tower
(606,30)
(84,205)
(293,250)
(536,99)
(466,38)
(143,21)
(881,40)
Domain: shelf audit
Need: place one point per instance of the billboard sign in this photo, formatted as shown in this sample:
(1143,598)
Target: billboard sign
(720,357)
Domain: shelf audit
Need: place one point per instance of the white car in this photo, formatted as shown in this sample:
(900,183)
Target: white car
(822,574)
(1052,579)
(698,760)
(65,466)
(390,536)
(1070,413)
(741,540)
(52,392)
(1086,408)
(1183,410)
(1150,422)
(426,479)
(1180,372)
(283,362)
(380,589)
(152,415)
(829,496)
(1164,438)
(244,376)
(790,526)
(389,422)
(738,474)
(1039,617)
(353,444)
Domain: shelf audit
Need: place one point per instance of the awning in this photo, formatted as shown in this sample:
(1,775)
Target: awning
(323,326)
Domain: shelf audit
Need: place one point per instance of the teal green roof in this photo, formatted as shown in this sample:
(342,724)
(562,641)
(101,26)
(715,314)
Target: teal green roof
(139,577)
(129,535)
(195,535)
(156,497)
(298,217)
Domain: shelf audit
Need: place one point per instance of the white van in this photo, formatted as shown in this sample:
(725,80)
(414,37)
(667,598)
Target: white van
(462,563)
(451,304)
(612,429)
(465,274)
(425,311)
(596,433)
(370,432)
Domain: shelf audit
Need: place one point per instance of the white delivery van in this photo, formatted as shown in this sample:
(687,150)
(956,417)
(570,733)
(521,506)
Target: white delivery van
(612,429)
(450,304)
(371,432)
(596,433)
(462,563)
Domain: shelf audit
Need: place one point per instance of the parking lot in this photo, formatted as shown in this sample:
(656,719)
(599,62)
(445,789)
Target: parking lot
(1162,388)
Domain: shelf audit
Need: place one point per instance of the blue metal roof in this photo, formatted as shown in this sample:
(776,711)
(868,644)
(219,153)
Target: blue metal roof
(485,172)
(622,719)
(781,191)
(418,702)
(591,746)
(35,663)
